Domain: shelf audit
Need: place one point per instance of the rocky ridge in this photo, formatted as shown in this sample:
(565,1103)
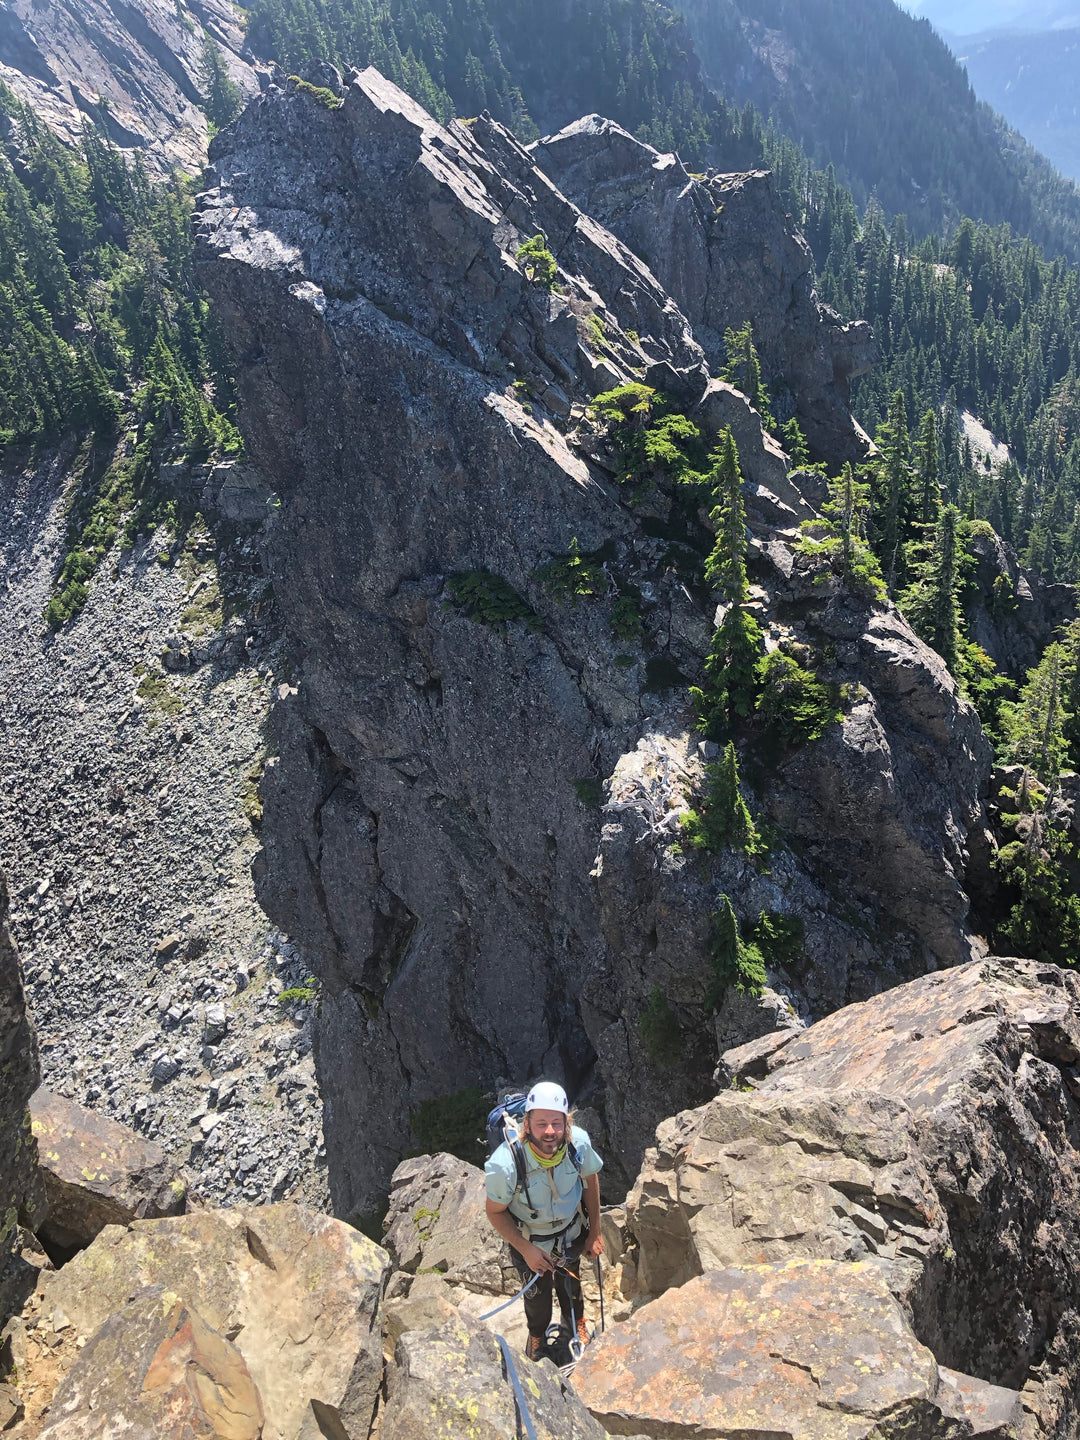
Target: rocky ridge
(418,405)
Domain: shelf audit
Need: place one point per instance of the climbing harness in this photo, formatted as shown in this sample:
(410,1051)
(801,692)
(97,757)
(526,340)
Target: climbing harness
(507,1303)
(515,1381)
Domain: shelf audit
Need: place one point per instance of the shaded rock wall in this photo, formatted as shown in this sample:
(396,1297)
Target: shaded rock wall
(419,408)
(21,1192)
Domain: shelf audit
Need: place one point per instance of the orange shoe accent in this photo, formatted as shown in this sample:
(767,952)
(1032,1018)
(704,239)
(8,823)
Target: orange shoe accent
(534,1347)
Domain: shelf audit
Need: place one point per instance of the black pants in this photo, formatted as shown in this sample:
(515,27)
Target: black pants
(564,1283)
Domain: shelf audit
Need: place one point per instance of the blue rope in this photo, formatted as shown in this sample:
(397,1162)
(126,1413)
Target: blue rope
(519,1394)
(506,1303)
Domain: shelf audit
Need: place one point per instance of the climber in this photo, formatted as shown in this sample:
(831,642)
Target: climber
(543,1198)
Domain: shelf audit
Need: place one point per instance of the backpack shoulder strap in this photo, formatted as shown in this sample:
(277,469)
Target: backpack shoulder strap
(517,1150)
(574,1154)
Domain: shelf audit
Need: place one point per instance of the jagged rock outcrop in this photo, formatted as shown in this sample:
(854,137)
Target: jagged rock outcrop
(298,1294)
(156,1368)
(931,1132)
(417,404)
(1012,613)
(21,1192)
(98,1173)
(135,68)
(724,250)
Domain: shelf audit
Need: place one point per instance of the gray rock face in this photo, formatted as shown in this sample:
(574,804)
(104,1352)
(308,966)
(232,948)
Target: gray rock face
(20,1181)
(426,836)
(143,61)
(726,253)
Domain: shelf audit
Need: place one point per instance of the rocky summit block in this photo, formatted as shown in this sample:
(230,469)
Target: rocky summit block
(815,1349)
(156,1368)
(297,1292)
(98,1173)
(934,1131)
(455,1383)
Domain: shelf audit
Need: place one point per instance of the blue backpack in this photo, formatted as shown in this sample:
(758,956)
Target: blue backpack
(504,1125)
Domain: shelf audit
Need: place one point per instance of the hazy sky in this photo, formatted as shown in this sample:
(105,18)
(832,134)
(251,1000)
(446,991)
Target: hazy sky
(967,17)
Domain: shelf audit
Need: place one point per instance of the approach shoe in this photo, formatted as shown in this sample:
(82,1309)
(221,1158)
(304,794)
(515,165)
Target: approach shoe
(534,1347)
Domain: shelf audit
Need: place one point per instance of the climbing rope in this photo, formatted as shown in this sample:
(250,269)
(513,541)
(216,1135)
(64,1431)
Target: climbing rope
(519,1393)
(506,1303)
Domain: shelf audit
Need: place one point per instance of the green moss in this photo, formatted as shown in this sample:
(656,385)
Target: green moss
(488,599)
(161,699)
(319,93)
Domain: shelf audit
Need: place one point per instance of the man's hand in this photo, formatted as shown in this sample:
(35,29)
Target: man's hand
(535,1258)
(594,1246)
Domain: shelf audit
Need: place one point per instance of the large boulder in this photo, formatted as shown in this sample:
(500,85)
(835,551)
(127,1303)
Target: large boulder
(299,1293)
(749,1179)
(455,1382)
(815,1348)
(156,1368)
(437,1223)
(934,1130)
(98,1173)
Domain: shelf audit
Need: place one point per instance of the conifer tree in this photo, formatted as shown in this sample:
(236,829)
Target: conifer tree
(735,961)
(725,569)
(894,444)
(926,471)
(930,603)
(724,820)
(1035,725)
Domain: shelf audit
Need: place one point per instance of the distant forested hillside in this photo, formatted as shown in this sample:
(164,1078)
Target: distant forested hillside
(866,87)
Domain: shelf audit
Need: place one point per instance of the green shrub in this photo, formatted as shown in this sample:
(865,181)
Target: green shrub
(487,598)
(538,262)
(300,994)
(662,674)
(659,1030)
(626,619)
(452,1123)
(575,574)
(795,704)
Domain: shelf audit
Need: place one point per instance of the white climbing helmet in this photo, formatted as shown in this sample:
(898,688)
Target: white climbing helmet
(547,1096)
